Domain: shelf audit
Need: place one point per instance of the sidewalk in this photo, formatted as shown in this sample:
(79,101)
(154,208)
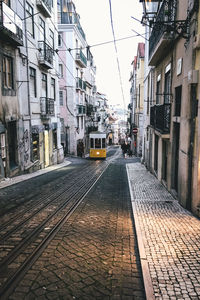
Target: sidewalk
(168,239)
(10,181)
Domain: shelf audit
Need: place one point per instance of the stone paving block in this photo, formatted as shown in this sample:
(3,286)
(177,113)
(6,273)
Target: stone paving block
(169,236)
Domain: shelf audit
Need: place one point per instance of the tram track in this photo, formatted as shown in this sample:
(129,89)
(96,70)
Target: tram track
(26,252)
(32,202)
(43,202)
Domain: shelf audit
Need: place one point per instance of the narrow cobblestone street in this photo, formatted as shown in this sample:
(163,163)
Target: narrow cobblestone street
(128,239)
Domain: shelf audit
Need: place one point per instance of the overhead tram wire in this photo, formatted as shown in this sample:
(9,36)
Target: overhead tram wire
(120,78)
(107,42)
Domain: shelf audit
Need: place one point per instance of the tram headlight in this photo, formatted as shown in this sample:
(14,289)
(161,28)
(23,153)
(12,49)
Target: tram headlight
(98,153)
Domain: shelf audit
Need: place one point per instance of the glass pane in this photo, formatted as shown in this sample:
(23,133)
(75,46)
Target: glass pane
(103,143)
(97,143)
(91,143)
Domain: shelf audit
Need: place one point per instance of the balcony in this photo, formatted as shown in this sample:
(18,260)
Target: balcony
(45,7)
(71,18)
(163,32)
(45,55)
(10,26)
(80,84)
(90,129)
(47,107)
(81,59)
(81,110)
(90,109)
(160,117)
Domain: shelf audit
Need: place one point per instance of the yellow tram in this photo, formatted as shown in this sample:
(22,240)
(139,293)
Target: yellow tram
(97,144)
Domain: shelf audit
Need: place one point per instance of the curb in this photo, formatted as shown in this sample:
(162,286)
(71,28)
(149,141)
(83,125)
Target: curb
(148,286)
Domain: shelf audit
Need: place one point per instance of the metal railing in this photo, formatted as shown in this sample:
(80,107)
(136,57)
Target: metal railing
(80,56)
(47,107)
(70,18)
(45,52)
(80,84)
(164,22)
(45,3)
(160,117)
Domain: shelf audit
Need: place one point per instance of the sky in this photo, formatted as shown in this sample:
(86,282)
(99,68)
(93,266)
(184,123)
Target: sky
(96,23)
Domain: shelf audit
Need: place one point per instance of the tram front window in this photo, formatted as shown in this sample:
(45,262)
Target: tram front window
(103,143)
(91,143)
(97,143)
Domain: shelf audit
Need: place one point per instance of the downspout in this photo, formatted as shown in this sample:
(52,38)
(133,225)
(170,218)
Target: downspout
(28,88)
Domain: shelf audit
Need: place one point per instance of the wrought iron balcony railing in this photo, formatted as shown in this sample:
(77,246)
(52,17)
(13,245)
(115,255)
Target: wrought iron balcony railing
(160,117)
(45,7)
(164,26)
(70,18)
(47,107)
(81,59)
(10,25)
(80,84)
(45,55)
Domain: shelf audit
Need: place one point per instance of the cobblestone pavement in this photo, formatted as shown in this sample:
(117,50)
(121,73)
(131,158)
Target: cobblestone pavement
(95,254)
(168,238)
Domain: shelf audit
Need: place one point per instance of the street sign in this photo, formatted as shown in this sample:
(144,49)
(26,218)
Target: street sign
(135,130)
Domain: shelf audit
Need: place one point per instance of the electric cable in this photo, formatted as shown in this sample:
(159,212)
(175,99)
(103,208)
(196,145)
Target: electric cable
(118,65)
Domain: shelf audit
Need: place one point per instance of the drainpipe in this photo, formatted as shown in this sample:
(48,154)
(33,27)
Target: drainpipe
(27,70)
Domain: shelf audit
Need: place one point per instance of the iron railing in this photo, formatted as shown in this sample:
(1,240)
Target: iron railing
(80,84)
(160,117)
(164,23)
(70,18)
(47,107)
(45,53)
(81,57)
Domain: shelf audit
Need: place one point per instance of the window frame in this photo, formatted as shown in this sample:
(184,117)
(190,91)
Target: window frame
(30,15)
(7,77)
(32,74)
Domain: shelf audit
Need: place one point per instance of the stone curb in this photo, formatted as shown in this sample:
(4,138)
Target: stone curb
(144,264)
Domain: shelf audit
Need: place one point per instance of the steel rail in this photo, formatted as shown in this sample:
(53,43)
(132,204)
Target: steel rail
(11,283)
(57,193)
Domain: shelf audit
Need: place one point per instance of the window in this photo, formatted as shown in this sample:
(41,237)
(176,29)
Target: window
(8,72)
(51,38)
(97,143)
(44,85)
(61,70)
(158,86)
(59,40)
(29,19)
(53,88)
(33,89)
(61,98)
(167,88)
(178,96)
(41,30)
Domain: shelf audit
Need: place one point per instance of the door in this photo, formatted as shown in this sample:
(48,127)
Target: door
(176,154)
